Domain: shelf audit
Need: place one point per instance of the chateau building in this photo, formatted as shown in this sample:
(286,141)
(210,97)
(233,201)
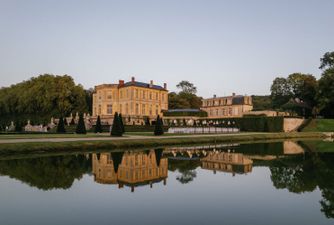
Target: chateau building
(229,106)
(136,101)
(130,168)
(227,162)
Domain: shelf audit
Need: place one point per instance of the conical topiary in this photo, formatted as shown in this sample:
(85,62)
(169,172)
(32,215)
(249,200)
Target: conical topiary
(158,129)
(116,129)
(81,128)
(98,126)
(121,122)
(61,126)
(18,126)
(72,121)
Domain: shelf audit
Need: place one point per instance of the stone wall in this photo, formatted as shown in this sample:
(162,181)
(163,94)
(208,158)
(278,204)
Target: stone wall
(292,124)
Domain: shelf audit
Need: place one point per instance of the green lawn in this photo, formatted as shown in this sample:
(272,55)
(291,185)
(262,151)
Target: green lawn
(320,125)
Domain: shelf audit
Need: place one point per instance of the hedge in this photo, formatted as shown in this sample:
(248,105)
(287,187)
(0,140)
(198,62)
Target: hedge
(134,128)
(175,114)
(252,124)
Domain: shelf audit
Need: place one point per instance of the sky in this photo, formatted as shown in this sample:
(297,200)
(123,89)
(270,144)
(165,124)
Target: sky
(220,46)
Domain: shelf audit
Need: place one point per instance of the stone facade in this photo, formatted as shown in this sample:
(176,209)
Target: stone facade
(136,101)
(229,106)
(131,169)
(227,162)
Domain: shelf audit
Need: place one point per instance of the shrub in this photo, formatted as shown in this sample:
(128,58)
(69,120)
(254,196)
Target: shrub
(98,126)
(81,128)
(158,130)
(116,129)
(61,126)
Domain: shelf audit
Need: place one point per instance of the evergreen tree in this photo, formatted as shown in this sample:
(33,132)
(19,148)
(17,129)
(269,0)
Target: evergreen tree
(65,122)
(72,121)
(61,126)
(98,126)
(158,129)
(116,129)
(121,122)
(18,126)
(81,128)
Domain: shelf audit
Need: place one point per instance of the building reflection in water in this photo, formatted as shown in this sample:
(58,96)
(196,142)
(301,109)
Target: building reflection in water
(227,162)
(130,168)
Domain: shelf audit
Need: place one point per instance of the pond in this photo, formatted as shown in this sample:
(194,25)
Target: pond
(260,183)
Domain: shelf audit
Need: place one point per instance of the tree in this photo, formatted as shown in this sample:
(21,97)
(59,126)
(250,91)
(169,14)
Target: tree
(280,92)
(325,95)
(296,93)
(261,102)
(81,128)
(98,126)
(158,129)
(116,129)
(72,121)
(327,61)
(187,87)
(121,122)
(41,98)
(18,126)
(61,126)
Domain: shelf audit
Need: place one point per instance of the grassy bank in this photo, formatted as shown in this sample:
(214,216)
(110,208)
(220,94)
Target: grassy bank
(148,142)
(320,125)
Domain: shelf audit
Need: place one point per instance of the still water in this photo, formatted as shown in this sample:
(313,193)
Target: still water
(262,183)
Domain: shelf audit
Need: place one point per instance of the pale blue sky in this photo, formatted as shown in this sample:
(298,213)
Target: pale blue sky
(220,46)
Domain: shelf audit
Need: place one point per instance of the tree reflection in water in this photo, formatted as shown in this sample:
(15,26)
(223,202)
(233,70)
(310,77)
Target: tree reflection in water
(47,173)
(304,174)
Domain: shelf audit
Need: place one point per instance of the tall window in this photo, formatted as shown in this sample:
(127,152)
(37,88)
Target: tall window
(126,109)
(157,96)
(109,109)
(99,112)
(150,95)
(120,108)
(143,109)
(137,109)
(156,110)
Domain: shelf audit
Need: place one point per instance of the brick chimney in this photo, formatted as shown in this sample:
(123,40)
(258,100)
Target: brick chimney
(121,83)
(233,94)
(151,83)
(214,96)
(165,86)
(133,79)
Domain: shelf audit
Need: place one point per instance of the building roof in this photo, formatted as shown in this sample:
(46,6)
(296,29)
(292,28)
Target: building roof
(142,84)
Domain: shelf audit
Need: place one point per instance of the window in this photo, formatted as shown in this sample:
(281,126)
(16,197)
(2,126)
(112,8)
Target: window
(120,108)
(150,95)
(150,110)
(109,109)
(156,110)
(126,109)
(163,97)
(143,109)
(156,96)
(137,109)
(136,93)
(230,111)
(144,94)
(99,112)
